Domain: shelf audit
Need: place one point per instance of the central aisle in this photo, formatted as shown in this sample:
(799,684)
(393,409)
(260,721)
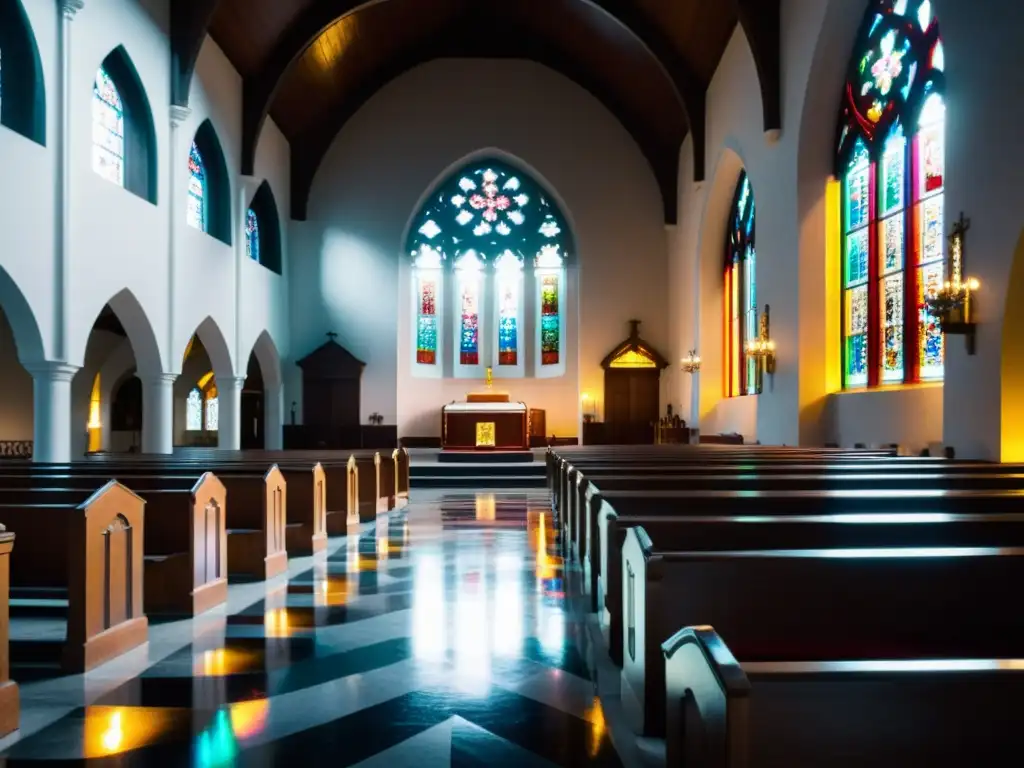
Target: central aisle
(440,638)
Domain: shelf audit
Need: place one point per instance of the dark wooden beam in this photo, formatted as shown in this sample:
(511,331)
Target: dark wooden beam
(691,89)
(762,24)
(190,21)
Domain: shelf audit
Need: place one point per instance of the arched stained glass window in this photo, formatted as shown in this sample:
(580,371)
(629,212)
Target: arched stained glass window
(741,372)
(107,129)
(194,411)
(252,235)
(196,213)
(212,407)
(891,163)
(487,220)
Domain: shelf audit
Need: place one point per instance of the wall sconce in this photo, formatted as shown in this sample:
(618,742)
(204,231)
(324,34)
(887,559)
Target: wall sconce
(762,349)
(589,407)
(690,363)
(952,304)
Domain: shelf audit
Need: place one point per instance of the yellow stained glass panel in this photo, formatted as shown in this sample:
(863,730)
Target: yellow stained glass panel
(633,358)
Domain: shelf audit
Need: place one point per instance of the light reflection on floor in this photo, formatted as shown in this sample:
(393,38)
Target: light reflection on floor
(421,614)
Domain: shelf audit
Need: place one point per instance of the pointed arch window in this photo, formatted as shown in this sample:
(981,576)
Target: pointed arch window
(196,212)
(741,372)
(252,235)
(891,164)
(485,221)
(107,129)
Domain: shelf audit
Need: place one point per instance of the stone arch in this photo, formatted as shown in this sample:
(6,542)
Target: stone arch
(218,182)
(22,320)
(269,360)
(140,333)
(217,348)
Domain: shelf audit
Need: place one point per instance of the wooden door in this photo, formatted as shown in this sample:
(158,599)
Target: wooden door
(252,420)
(631,405)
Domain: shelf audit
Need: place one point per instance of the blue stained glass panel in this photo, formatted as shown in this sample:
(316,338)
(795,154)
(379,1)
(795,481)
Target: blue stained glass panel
(857,257)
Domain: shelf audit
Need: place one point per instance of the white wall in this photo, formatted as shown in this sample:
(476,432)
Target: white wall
(789,178)
(346,274)
(120,245)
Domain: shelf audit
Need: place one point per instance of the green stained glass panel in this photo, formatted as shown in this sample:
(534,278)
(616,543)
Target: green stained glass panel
(857,257)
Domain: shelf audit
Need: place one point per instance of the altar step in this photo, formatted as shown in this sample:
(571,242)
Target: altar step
(467,475)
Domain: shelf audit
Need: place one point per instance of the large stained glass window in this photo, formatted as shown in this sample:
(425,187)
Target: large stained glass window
(487,220)
(194,410)
(252,235)
(509,288)
(891,165)
(196,213)
(741,325)
(469,274)
(107,129)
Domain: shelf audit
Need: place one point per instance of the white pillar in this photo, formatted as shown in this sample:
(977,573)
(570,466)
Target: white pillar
(158,413)
(51,390)
(273,418)
(179,117)
(229,402)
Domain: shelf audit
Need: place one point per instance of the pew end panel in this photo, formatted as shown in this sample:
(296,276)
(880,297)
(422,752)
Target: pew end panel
(707,701)
(388,483)
(192,581)
(306,528)
(10,708)
(637,558)
(352,491)
(400,456)
(256,534)
(368,486)
(105,587)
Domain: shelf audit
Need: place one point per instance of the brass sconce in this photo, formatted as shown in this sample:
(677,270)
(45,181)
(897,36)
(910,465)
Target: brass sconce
(690,363)
(952,305)
(762,348)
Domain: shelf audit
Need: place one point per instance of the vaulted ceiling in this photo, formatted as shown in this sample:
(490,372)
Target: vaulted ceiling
(311,64)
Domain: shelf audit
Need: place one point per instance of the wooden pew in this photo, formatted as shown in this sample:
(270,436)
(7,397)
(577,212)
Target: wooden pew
(90,552)
(775,502)
(401,459)
(840,714)
(185,557)
(306,531)
(10,709)
(811,605)
(754,532)
(368,490)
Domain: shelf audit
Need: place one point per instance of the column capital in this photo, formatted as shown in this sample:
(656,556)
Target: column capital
(52,370)
(230,382)
(158,378)
(179,115)
(70,7)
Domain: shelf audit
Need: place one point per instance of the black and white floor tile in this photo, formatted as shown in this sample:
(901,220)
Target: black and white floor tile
(438,637)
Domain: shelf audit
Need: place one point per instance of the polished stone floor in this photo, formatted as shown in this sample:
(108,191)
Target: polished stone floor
(439,636)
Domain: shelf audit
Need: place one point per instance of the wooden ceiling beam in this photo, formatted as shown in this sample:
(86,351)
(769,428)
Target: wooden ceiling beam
(190,23)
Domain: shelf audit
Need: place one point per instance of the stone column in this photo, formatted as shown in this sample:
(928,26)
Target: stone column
(158,413)
(273,418)
(229,401)
(51,390)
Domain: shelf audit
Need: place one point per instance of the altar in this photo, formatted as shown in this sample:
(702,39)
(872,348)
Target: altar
(484,421)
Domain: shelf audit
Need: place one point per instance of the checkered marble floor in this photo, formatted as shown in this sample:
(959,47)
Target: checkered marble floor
(438,636)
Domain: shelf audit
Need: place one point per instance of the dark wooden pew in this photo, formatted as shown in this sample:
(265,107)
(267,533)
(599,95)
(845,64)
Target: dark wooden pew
(754,532)
(185,556)
(87,551)
(10,708)
(841,714)
(813,605)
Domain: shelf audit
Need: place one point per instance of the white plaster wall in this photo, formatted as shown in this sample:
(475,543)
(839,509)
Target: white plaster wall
(120,245)
(911,417)
(346,275)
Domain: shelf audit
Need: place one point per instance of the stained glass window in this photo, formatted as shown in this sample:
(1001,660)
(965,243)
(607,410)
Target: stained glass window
(196,213)
(487,219)
(252,235)
(469,308)
(107,129)
(891,160)
(194,410)
(509,281)
(741,324)
(212,410)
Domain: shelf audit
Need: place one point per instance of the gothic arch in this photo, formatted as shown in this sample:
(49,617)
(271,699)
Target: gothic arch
(24,89)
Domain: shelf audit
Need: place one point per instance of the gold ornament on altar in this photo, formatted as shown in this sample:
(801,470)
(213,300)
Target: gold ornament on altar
(490,377)
(485,434)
